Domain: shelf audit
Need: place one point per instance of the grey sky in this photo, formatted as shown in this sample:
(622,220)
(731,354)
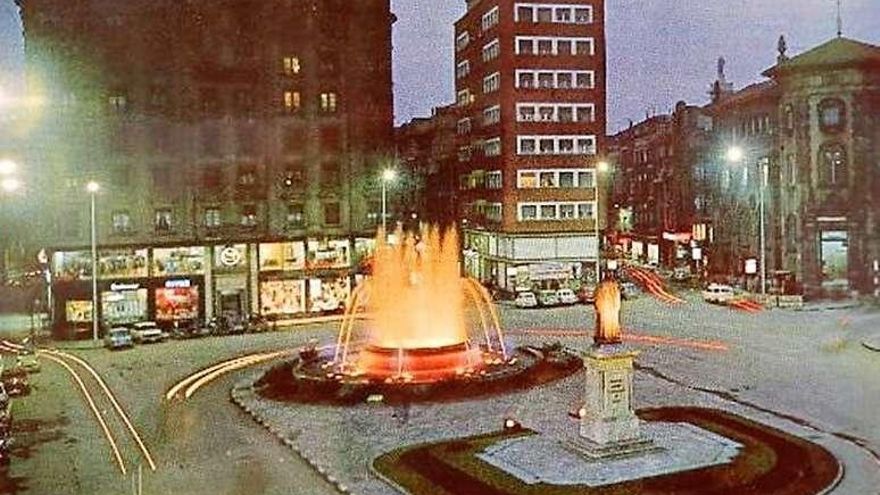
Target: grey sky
(659,51)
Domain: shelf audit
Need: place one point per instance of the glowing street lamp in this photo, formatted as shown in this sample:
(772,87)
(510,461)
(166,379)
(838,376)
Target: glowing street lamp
(10,184)
(93,188)
(388,175)
(602,167)
(734,154)
(7,167)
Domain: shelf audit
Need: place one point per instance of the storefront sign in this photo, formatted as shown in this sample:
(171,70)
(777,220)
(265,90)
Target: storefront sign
(178,284)
(118,287)
(230,256)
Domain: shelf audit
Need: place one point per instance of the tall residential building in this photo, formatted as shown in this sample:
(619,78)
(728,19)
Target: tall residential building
(236,144)
(530,86)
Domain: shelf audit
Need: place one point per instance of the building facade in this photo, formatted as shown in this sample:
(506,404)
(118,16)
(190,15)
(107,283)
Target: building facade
(828,219)
(530,87)
(236,144)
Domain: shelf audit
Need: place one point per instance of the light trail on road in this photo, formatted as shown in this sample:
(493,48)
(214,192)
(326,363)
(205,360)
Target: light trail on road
(58,357)
(628,336)
(653,284)
(193,382)
(114,447)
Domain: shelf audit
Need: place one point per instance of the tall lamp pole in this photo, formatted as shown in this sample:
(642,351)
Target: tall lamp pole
(93,188)
(388,175)
(735,154)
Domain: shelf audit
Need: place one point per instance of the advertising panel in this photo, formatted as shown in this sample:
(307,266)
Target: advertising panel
(282,297)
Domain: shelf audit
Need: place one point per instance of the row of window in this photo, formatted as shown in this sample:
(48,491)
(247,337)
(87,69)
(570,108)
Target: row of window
(555,13)
(164,221)
(479,179)
(535,45)
(555,112)
(291,101)
(555,79)
(556,145)
(566,178)
(556,211)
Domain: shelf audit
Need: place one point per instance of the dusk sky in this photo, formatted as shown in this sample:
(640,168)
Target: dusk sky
(659,51)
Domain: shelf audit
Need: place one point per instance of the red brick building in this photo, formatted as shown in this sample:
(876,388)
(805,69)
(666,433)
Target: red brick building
(530,86)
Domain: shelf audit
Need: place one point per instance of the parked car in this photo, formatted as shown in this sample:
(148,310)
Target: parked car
(147,332)
(587,294)
(548,298)
(15,381)
(566,296)
(718,294)
(189,329)
(118,338)
(27,359)
(629,290)
(526,300)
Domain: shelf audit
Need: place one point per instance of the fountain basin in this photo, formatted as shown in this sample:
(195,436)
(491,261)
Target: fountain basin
(419,365)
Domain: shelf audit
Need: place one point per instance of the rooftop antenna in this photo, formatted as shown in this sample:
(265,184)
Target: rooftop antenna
(839,20)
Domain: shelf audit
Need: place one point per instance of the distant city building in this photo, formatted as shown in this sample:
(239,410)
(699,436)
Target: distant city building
(809,133)
(530,87)
(427,158)
(236,143)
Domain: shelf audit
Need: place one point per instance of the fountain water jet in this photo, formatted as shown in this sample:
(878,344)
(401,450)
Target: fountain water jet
(417,300)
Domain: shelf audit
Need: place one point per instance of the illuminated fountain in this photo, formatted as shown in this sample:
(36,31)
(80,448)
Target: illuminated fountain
(418,303)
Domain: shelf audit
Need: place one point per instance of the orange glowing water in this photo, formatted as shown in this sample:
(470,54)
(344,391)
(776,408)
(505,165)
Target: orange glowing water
(416,295)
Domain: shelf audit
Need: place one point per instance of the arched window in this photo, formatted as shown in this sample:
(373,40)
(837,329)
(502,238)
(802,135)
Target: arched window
(789,119)
(832,115)
(833,167)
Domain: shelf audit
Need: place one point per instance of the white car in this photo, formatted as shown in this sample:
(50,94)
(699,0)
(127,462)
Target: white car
(718,294)
(526,300)
(147,331)
(566,296)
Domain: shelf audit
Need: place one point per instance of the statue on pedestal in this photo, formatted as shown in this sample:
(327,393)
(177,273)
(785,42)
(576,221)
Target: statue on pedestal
(607,314)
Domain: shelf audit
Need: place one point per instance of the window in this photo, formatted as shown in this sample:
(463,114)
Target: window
(528,212)
(791,169)
(527,180)
(525,46)
(491,50)
(831,115)
(548,211)
(463,126)
(212,218)
(555,112)
(564,114)
(490,19)
(163,220)
(585,179)
(331,214)
(493,211)
(493,180)
(567,212)
(546,80)
(547,179)
(295,215)
(789,119)
(545,14)
(526,114)
(563,15)
(525,14)
(545,47)
(328,102)
(492,147)
(583,15)
(248,215)
(247,176)
(330,175)
(585,80)
(462,69)
(491,83)
(525,80)
(833,172)
(559,79)
(584,47)
(121,222)
(292,101)
(462,41)
(586,210)
(566,179)
(464,153)
(492,115)
(556,145)
(290,65)
(118,102)
(463,98)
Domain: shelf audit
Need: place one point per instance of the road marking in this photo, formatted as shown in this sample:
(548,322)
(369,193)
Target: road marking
(94,408)
(58,357)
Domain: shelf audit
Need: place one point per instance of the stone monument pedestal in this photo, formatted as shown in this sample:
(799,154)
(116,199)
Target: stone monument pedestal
(609,426)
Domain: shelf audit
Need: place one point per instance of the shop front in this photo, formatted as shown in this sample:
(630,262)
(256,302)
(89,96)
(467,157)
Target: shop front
(231,294)
(282,283)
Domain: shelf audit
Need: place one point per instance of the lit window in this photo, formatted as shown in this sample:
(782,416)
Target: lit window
(248,215)
(527,180)
(833,162)
(295,215)
(328,102)
(121,222)
(163,220)
(291,65)
(118,103)
(212,217)
(292,101)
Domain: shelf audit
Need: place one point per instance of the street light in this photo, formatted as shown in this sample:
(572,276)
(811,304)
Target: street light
(10,184)
(93,188)
(735,154)
(388,175)
(7,167)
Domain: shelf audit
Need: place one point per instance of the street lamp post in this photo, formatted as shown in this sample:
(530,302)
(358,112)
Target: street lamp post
(93,189)
(388,175)
(736,154)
